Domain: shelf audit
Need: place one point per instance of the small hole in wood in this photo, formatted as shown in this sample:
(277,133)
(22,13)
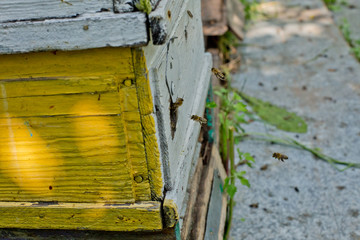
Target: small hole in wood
(50,187)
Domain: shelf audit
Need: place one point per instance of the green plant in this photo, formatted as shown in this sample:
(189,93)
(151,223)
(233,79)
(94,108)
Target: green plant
(231,116)
(334,5)
(250,10)
(345,29)
(144,6)
(354,44)
(227,43)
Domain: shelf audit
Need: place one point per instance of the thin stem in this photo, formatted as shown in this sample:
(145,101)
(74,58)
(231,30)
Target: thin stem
(232,180)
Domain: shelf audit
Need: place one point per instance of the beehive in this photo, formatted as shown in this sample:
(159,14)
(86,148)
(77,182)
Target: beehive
(88,140)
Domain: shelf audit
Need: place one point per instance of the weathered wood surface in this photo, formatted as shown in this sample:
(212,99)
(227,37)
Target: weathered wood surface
(205,218)
(93,30)
(235,17)
(76,129)
(164,18)
(192,191)
(16,10)
(186,69)
(122,6)
(82,216)
(146,109)
(214,17)
(45,234)
(216,215)
(202,202)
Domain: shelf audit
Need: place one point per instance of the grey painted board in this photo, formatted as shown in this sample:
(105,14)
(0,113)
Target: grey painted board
(87,31)
(166,16)
(14,10)
(215,208)
(182,64)
(129,5)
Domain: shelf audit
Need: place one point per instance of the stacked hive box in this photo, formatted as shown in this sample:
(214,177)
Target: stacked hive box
(88,140)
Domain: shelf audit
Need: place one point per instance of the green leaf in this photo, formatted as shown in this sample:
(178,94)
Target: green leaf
(276,116)
(248,157)
(239,153)
(245,182)
(231,190)
(239,175)
(144,6)
(211,105)
(218,93)
(240,107)
(240,118)
(237,97)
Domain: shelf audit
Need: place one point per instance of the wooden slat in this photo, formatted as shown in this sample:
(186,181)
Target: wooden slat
(93,30)
(15,10)
(235,17)
(148,125)
(80,216)
(213,17)
(202,202)
(193,193)
(216,215)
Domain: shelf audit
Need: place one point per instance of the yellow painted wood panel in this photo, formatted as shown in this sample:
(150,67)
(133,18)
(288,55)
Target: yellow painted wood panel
(148,124)
(82,216)
(71,128)
(85,63)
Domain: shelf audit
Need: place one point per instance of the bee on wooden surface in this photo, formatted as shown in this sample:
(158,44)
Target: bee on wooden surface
(280,156)
(218,74)
(201,120)
(177,103)
(190,14)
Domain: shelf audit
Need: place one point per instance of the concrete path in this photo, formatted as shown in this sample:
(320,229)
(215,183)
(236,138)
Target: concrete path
(298,59)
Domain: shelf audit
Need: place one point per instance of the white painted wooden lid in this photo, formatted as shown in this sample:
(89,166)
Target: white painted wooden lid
(38,25)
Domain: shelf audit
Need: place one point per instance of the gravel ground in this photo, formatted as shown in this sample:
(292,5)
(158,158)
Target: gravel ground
(298,59)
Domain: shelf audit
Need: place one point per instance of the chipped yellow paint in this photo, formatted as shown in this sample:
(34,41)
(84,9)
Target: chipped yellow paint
(148,124)
(171,215)
(77,127)
(82,216)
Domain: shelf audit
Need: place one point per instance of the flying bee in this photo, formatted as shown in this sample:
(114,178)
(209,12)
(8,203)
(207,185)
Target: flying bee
(280,156)
(201,120)
(177,103)
(218,74)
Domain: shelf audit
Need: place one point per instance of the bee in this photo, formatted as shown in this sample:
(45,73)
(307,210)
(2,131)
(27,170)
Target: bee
(201,120)
(189,13)
(177,103)
(218,74)
(279,156)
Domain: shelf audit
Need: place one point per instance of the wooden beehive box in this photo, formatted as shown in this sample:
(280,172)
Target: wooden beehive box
(88,141)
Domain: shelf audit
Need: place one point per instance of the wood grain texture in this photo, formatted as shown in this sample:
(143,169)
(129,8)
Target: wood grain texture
(15,10)
(71,128)
(202,202)
(171,215)
(164,18)
(49,234)
(82,216)
(193,193)
(148,124)
(186,68)
(91,30)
